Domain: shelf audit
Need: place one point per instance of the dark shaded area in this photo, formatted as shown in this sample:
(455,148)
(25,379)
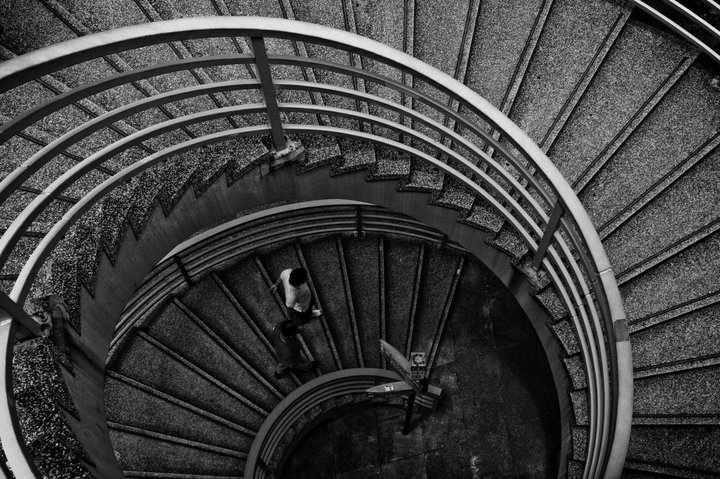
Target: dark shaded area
(498,417)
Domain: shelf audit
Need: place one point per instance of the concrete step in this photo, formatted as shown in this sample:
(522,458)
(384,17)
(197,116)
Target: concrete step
(510,242)
(674,281)
(365,264)
(317,337)
(683,121)
(483,216)
(501,33)
(245,334)
(561,64)
(681,210)
(664,450)
(454,195)
(332,13)
(678,391)
(642,65)
(148,362)
(402,280)
(140,406)
(40,401)
(389,23)
(683,338)
(142,450)
(390,165)
(423,177)
(326,268)
(191,338)
(441,271)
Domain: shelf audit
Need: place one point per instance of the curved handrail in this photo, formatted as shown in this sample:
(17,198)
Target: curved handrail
(683,32)
(575,259)
(209,250)
(302,400)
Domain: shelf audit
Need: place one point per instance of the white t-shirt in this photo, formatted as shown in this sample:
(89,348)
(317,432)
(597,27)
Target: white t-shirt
(296,298)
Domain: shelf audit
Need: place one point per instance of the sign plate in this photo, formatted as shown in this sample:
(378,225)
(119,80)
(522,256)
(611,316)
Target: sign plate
(418,366)
(400,364)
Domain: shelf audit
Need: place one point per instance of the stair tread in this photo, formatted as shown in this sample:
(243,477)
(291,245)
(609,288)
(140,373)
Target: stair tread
(401,259)
(173,326)
(572,34)
(640,61)
(685,119)
(136,452)
(501,33)
(674,281)
(681,209)
(439,270)
(325,273)
(683,338)
(130,406)
(242,284)
(277,259)
(363,267)
(149,365)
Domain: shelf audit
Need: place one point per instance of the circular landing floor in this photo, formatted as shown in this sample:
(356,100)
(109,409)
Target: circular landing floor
(498,418)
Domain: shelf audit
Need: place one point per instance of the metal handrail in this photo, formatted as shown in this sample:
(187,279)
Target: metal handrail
(593,303)
(207,251)
(301,401)
(683,32)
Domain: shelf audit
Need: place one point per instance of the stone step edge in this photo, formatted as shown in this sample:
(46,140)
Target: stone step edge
(176,440)
(179,402)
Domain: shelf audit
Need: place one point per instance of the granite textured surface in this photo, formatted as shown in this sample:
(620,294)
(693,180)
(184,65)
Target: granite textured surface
(681,393)
(682,209)
(640,61)
(226,321)
(509,241)
(436,291)
(159,454)
(39,392)
(689,336)
(688,275)
(363,257)
(501,33)
(552,303)
(401,260)
(276,259)
(694,448)
(484,216)
(332,13)
(186,336)
(323,263)
(567,335)
(146,363)
(576,368)
(142,409)
(439,30)
(573,32)
(685,119)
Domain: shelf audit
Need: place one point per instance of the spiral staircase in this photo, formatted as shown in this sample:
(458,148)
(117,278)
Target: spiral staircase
(169,129)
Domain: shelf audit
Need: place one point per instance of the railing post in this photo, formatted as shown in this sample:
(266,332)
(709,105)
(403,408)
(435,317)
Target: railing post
(548,234)
(268,89)
(183,270)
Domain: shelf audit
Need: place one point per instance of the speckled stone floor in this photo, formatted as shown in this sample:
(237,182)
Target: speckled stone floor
(498,417)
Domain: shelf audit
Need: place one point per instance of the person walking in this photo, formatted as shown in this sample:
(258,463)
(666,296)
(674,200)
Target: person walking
(298,299)
(288,350)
